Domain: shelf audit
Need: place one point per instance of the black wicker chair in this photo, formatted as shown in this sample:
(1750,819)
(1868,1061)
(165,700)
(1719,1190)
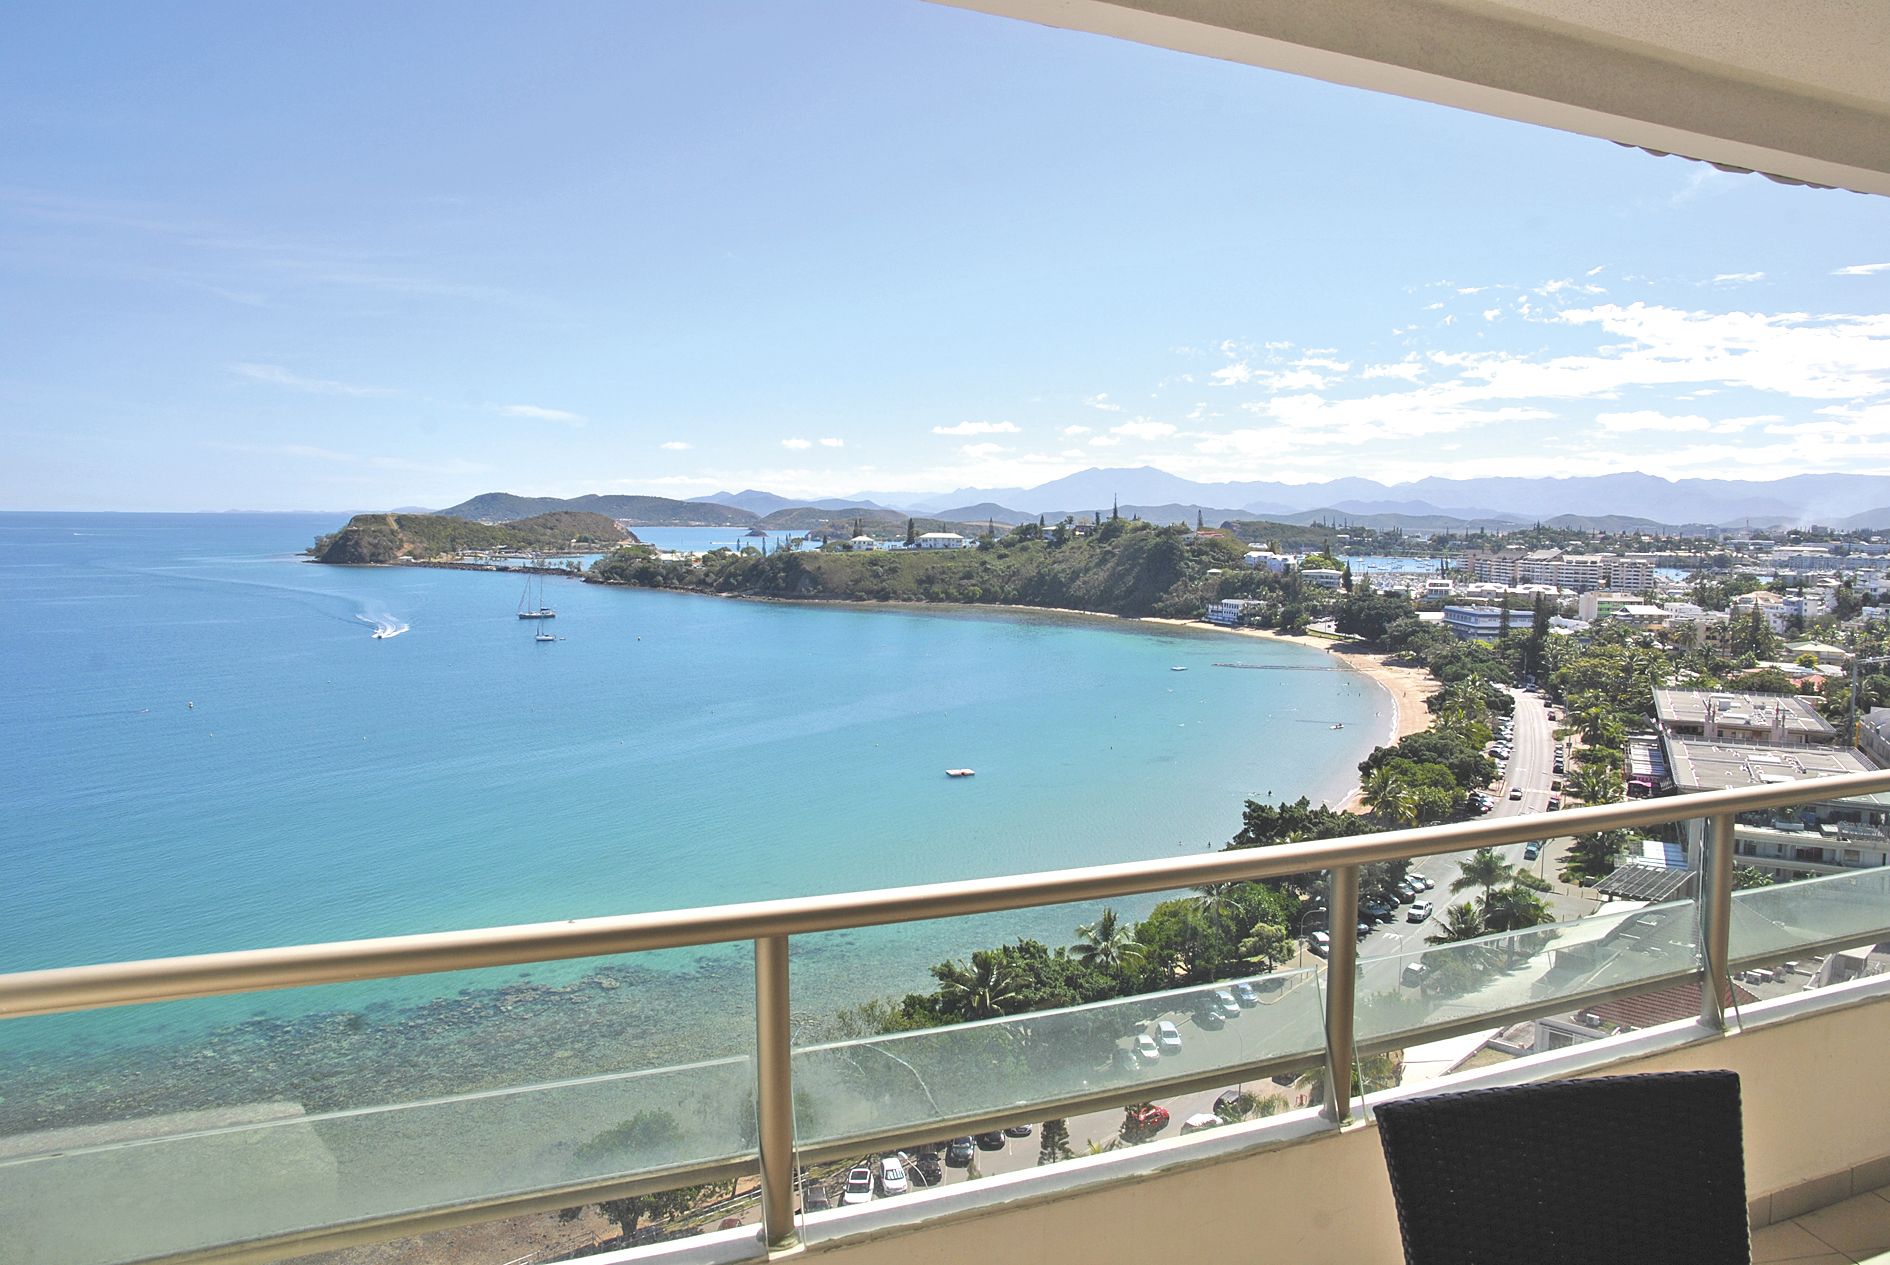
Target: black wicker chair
(1637,1170)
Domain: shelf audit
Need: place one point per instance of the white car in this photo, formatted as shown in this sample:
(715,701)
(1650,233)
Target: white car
(859,1187)
(1146,1049)
(892,1176)
(1418,912)
(1169,1037)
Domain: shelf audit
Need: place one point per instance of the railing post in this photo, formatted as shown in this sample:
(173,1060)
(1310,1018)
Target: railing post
(1341,978)
(1716,869)
(774,1092)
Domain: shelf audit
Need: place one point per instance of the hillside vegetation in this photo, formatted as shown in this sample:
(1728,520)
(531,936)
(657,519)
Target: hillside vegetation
(651,511)
(380,538)
(1123,568)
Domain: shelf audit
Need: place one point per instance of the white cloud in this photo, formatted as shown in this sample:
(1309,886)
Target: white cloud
(540,414)
(1737,278)
(276,375)
(1595,271)
(1409,370)
(1075,430)
(1233,375)
(977,428)
(980,452)
(1101,401)
(676,445)
(1861,270)
(833,443)
(1104,441)
(1491,313)
(1142,428)
(797,443)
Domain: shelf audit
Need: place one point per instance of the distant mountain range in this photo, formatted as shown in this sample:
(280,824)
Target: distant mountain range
(1824,498)
(1610,502)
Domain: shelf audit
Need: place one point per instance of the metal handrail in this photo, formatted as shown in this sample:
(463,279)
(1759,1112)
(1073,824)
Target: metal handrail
(769,924)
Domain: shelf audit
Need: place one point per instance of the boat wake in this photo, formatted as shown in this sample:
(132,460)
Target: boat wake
(385,626)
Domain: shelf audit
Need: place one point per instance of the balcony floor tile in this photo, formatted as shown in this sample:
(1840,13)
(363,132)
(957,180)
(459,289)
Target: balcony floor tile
(1786,1241)
(1859,1227)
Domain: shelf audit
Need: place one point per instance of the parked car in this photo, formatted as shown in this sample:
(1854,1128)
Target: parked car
(892,1176)
(993,1141)
(1532,850)
(1425,882)
(1017,1131)
(958,1153)
(1146,1049)
(1413,974)
(859,1187)
(927,1171)
(1419,912)
(1127,1060)
(1207,1014)
(1408,894)
(1245,994)
(1169,1037)
(1200,1120)
(1380,911)
(1145,1119)
(1366,928)
(1319,943)
(1229,1004)
(1555,802)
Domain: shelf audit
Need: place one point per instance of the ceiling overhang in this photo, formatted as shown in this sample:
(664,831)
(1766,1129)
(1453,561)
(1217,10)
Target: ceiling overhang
(1794,88)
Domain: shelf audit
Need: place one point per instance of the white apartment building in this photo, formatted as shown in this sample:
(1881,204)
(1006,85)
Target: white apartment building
(1820,838)
(1581,572)
(1228,610)
(1481,623)
(1267,560)
(1322,577)
(942,540)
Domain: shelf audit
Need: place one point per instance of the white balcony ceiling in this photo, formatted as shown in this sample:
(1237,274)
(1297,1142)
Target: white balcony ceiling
(1794,88)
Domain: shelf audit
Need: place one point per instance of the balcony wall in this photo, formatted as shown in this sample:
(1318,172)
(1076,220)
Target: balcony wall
(1817,1123)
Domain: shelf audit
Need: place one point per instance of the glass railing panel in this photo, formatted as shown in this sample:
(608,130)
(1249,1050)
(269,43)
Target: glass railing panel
(1432,986)
(144,1131)
(1019,1066)
(1775,922)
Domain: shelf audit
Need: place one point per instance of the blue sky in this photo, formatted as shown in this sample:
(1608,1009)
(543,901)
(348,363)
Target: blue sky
(359,255)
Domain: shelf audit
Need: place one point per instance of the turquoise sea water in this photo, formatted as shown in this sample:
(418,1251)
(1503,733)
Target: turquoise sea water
(206,750)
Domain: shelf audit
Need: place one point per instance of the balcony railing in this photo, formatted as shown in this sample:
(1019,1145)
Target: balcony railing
(273,1183)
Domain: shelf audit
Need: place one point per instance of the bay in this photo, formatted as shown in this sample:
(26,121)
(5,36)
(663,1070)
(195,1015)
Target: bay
(207,750)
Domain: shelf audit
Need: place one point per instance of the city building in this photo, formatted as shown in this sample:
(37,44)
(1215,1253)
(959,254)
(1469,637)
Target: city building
(1479,623)
(1873,736)
(1600,604)
(1579,572)
(1322,577)
(1726,716)
(1228,610)
(1825,837)
(1267,560)
(942,540)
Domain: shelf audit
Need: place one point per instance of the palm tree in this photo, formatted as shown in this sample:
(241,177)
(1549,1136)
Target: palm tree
(1596,784)
(1106,943)
(1458,923)
(1513,908)
(1390,798)
(1217,902)
(1485,869)
(984,990)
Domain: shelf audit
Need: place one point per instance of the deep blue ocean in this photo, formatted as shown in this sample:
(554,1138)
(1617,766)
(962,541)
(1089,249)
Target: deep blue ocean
(205,749)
